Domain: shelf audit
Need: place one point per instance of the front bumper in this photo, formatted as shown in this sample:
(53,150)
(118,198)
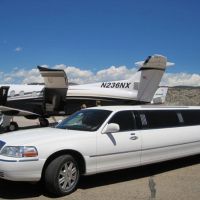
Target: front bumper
(23,169)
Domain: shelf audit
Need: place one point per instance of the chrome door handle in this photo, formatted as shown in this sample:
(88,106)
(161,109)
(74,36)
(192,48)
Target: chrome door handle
(133,136)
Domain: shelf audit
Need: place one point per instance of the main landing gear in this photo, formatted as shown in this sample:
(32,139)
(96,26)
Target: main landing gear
(7,123)
(43,122)
(13,126)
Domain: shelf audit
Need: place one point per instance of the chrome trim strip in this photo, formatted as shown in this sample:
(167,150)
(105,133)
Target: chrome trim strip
(29,160)
(3,160)
(172,145)
(7,160)
(109,154)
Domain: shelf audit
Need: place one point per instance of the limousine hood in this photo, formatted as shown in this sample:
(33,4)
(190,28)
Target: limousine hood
(38,136)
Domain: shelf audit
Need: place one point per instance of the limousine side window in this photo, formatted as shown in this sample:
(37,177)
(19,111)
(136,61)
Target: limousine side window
(160,119)
(125,119)
(191,117)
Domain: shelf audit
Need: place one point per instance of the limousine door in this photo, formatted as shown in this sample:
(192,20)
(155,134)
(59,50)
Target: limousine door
(165,136)
(121,149)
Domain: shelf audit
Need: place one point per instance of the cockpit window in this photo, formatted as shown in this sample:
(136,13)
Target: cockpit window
(85,120)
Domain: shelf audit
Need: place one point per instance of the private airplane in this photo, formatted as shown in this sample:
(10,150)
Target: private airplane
(57,97)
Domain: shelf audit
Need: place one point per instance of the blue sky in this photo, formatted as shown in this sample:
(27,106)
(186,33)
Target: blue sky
(96,34)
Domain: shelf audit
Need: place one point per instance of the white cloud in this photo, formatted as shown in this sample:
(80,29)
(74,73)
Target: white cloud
(18,49)
(32,76)
(8,79)
(77,75)
(20,76)
(181,79)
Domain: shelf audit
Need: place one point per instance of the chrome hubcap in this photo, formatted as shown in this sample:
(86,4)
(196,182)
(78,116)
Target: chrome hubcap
(67,175)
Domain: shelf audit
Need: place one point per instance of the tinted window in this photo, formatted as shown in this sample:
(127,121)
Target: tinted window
(159,118)
(191,117)
(85,120)
(125,120)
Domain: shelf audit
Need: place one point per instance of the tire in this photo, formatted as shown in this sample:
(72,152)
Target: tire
(13,126)
(43,122)
(62,175)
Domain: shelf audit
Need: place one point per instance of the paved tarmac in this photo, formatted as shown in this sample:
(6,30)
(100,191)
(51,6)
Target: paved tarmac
(172,180)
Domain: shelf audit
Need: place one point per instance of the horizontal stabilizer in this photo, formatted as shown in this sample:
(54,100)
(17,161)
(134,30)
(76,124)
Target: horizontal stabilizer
(154,62)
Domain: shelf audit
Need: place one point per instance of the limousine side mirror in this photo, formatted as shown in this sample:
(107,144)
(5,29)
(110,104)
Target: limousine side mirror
(111,128)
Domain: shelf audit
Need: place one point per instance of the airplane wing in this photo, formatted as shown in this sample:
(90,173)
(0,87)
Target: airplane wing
(16,112)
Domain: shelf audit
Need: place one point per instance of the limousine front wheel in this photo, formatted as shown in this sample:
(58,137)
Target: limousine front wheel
(62,175)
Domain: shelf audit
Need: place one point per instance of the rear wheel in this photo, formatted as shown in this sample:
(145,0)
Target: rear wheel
(62,175)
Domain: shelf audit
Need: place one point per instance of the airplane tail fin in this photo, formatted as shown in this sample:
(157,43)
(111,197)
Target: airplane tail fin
(149,74)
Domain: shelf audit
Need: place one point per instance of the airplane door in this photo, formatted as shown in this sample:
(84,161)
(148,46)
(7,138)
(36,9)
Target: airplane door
(121,149)
(55,91)
(3,94)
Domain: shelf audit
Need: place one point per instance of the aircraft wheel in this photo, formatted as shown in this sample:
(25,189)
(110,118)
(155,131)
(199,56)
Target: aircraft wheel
(43,122)
(13,126)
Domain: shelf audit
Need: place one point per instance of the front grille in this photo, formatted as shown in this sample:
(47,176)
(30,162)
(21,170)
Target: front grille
(1,174)
(2,144)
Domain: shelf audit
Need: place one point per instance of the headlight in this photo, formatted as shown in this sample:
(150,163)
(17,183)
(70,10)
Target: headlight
(19,151)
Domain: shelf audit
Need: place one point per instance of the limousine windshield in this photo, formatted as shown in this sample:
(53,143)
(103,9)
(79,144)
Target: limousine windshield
(85,120)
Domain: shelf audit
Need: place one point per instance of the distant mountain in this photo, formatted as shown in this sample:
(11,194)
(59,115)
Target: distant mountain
(183,95)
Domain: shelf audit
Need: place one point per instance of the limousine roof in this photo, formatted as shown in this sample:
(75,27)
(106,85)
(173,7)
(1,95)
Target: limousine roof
(146,107)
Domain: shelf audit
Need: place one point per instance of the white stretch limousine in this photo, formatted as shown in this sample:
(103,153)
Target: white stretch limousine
(97,140)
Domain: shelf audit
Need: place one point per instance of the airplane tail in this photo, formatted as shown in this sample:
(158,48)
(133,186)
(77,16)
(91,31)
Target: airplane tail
(149,76)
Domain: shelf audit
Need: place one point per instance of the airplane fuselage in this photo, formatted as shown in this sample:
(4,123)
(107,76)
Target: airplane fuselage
(31,97)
